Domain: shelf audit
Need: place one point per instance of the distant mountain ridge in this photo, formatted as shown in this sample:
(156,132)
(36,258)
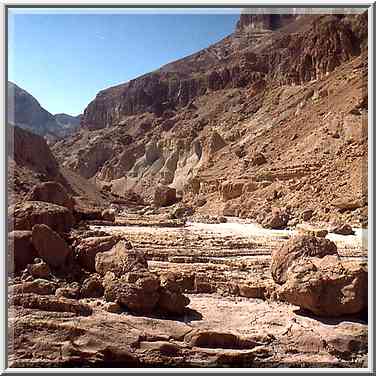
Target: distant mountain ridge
(27,113)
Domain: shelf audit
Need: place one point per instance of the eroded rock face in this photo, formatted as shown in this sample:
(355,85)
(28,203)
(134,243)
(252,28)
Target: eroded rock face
(297,248)
(120,260)
(164,196)
(50,246)
(20,251)
(51,192)
(24,215)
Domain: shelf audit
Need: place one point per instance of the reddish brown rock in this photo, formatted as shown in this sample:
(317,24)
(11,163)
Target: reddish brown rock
(120,260)
(343,229)
(277,219)
(108,215)
(231,189)
(20,251)
(140,297)
(258,159)
(92,287)
(172,302)
(51,192)
(39,269)
(51,303)
(87,248)
(24,215)
(38,286)
(50,246)
(164,196)
(68,292)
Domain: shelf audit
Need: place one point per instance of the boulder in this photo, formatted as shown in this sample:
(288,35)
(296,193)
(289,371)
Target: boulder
(296,248)
(24,215)
(120,260)
(108,215)
(342,229)
(87,249)
(276,220)
(140,296)
(92,287)
(326,288)
(51,192)
(50,246)
(21,251)
(164,196)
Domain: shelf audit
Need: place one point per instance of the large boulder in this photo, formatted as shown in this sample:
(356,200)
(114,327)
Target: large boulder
(21,251)
(164,196)
(51,192)
(296,248)
(120,260)
(50,246)
(24,215)
(326,287)
(138,294)
(87,249)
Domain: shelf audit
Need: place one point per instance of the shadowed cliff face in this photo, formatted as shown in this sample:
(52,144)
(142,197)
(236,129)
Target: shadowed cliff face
(205,117)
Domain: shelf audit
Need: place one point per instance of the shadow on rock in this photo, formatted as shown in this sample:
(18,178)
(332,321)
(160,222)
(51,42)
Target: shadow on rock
(361,318)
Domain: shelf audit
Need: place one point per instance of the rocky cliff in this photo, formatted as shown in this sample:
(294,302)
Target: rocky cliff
(280,86)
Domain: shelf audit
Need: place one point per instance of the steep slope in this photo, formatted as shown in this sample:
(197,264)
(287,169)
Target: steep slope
(292,88)
(26,112)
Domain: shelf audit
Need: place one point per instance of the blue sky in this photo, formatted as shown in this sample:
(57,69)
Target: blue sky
(63,60)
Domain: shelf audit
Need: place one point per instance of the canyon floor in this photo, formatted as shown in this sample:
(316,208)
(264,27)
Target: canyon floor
(232,319)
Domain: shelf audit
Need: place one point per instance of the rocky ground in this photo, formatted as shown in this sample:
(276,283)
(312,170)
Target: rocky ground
(149,290)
